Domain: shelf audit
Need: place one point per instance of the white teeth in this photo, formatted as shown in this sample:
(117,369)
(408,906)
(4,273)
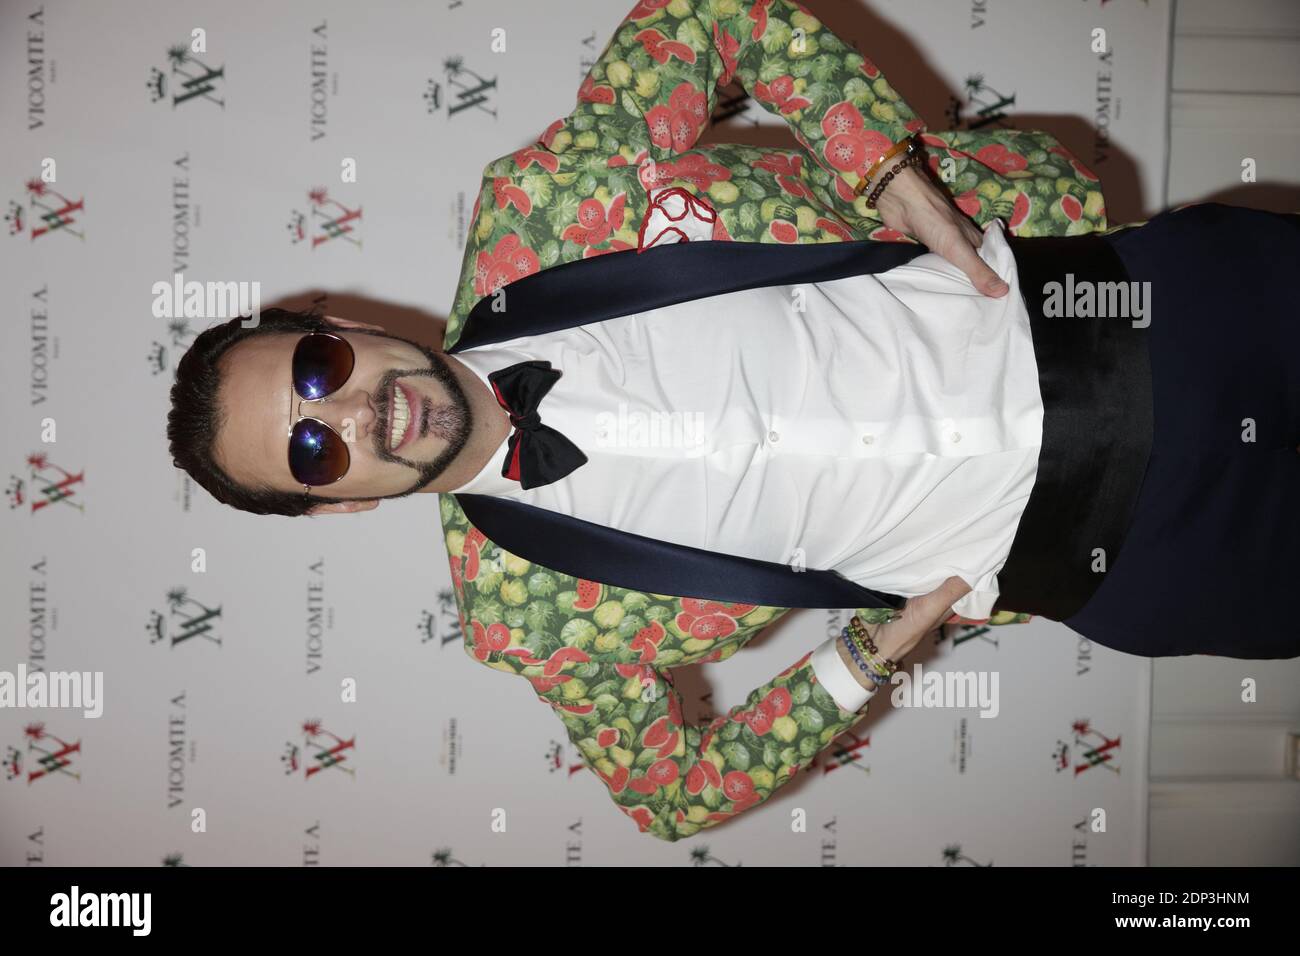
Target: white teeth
(401,417)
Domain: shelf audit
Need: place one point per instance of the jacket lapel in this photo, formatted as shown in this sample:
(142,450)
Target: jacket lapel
(605,287)
(593,551)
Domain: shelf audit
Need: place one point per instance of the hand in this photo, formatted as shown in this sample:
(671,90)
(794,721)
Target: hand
(921,615)
(914,205)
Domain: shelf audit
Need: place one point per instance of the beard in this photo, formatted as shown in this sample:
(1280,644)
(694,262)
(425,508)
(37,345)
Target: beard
(452,421)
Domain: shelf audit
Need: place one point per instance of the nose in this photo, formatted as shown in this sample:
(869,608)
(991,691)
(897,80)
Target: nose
(337,410)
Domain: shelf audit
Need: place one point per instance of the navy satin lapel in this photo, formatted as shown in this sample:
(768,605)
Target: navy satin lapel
(622,559)
(605,287)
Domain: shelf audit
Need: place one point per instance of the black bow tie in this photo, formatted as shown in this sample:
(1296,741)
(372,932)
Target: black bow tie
(538,454)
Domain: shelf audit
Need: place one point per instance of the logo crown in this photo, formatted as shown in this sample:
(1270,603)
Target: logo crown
(15,218)
(1061,755)
(157,358)
(156,627)
(156,85)
(290,758)
(13,763)
(15,491)
(297,227)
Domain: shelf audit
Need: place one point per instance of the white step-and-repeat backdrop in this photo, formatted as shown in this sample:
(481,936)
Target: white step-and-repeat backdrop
(216,683)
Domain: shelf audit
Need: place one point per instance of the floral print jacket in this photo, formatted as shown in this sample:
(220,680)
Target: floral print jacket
(601,656)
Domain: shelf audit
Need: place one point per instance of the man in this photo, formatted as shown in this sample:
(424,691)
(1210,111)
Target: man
(850,424)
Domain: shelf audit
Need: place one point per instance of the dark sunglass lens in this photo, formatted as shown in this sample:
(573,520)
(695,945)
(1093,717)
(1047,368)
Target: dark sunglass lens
(321,364)
(317,455)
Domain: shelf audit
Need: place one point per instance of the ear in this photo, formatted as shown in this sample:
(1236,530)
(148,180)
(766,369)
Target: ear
(342,323)
(343,507)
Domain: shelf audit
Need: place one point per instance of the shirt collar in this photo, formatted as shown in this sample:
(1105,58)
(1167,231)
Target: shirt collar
(482,360)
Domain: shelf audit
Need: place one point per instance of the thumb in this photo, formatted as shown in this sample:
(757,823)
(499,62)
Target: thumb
(929,610)
(978,271)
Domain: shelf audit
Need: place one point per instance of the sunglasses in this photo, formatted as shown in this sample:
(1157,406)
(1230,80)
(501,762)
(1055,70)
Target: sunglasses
(318,455)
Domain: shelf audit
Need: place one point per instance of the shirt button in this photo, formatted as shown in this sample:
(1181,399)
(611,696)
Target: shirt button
(955,436)
(773,436)
(868,439)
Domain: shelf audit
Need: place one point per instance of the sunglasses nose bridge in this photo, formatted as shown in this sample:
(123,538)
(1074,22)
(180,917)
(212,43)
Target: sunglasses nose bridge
(347,406)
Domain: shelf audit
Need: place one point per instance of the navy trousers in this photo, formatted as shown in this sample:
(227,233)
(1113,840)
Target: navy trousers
(1211,561)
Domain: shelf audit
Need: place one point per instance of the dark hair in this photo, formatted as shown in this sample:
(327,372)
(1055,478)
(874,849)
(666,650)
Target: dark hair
(196,417)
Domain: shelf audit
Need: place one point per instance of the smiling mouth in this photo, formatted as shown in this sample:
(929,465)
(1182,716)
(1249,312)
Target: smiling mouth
(402,424)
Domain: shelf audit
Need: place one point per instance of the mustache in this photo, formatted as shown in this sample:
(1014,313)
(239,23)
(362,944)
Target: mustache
(383,409)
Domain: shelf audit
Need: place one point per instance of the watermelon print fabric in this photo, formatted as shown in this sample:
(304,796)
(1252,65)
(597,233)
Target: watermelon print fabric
(601,656)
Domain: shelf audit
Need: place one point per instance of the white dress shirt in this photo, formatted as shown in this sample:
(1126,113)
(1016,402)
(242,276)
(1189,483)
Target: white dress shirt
(886,427)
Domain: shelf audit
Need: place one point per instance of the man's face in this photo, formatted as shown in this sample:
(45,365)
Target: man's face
(404,410)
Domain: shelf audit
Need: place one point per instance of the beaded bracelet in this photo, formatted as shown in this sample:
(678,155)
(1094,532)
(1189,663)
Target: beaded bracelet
(911,159)
(868,648)
(872,674)
(858,632)
(870,662)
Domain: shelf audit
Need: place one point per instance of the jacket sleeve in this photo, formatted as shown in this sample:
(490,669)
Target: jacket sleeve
(648,98)
(607,675)
(656,84)
(675,778)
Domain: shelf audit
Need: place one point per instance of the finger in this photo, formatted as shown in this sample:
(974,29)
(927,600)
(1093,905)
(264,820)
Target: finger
(977,270)
(929,611)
